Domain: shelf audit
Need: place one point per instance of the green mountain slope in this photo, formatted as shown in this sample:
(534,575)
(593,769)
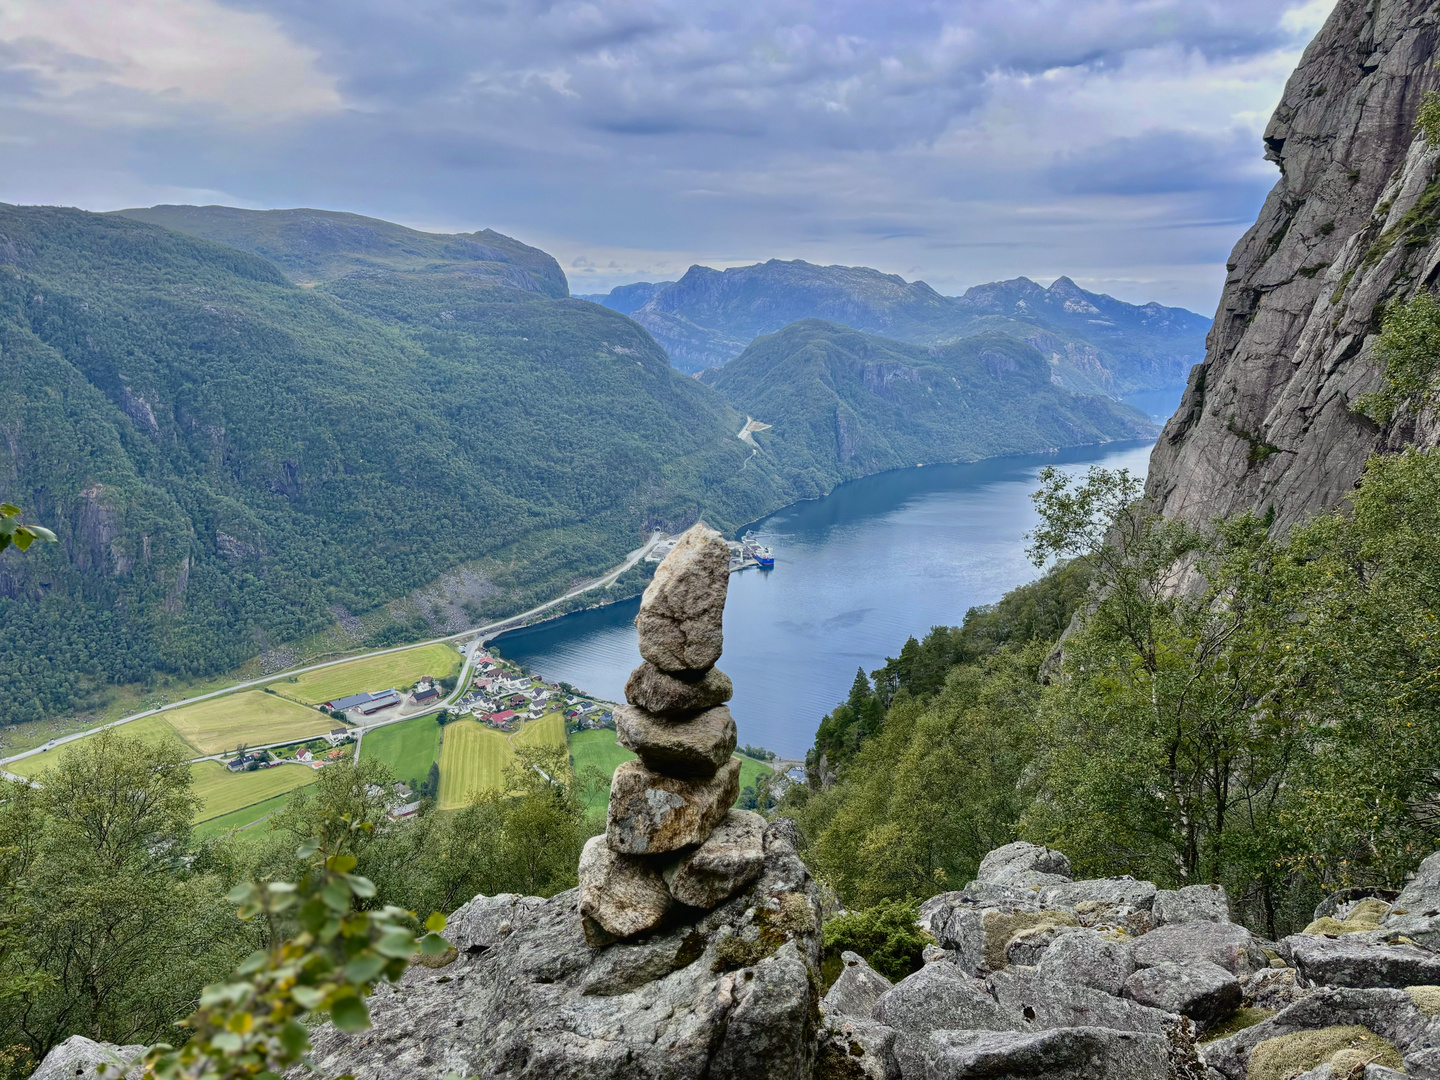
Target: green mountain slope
(230,459)
(321,245)
(842,404)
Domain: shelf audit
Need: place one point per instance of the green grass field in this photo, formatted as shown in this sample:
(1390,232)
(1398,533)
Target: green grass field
(246,815)
(253,718)
(222,792)
(149,728)
(472,759)
(400,670)
(549,730)
(600,749)
(409,747)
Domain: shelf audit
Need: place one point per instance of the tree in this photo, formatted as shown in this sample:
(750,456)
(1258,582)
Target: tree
(117,935)
(1166,741)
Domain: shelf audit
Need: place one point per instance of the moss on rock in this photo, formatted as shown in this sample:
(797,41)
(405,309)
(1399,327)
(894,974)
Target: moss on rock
(1001,928)
(1426,998)
(1343,1047)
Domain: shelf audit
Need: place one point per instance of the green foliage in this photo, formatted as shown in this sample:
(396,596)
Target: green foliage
(1409,349)
(885,935)
(1427,120)
(22,536)
(113,917)
(1165,747)
(1366,673)
(918,806)
(105,929)
(250,1026)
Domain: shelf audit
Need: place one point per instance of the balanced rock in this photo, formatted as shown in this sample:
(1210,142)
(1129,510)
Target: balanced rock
(681,611)
(729,859)
(651,813)
(621,893)
(658,692)
(694,746)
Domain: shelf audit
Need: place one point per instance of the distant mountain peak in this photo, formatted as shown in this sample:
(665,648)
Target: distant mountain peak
(1095,343)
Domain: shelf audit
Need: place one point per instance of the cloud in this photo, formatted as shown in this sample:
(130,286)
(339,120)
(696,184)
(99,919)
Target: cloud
(960,141)
(138,61)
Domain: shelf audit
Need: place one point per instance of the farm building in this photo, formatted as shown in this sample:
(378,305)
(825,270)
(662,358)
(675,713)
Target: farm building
(385,699)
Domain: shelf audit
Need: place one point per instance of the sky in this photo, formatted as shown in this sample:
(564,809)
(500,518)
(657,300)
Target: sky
(956,141)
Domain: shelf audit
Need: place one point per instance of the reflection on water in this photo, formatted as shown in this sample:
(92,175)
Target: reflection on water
(1159,405)
(856,573)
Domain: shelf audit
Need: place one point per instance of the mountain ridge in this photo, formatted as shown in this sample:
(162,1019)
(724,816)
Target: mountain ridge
(1094,343)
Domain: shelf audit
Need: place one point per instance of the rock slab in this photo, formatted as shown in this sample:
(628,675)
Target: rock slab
(682,608)
(655,691)
(622,893)
(651,813)
(729,859)
(694,746)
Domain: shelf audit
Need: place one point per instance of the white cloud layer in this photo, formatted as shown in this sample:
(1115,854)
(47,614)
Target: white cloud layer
(141,61)
(955,140)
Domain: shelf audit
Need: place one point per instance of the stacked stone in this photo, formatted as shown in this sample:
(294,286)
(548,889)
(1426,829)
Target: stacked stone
(671,840)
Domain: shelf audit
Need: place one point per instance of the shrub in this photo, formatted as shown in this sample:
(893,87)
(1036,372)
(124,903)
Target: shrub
(886,935)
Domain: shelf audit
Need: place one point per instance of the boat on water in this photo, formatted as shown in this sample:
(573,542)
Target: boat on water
(763,556)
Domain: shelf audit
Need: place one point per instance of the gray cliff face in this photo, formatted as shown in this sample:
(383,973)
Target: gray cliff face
(1266,420)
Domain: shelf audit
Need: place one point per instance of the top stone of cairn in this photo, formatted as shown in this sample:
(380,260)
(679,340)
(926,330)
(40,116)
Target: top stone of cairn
(681,611)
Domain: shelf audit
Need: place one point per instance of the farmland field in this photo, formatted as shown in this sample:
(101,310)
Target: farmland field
(253,718)
(409,747)
(600,749)
(222,792)
(549,730)
(149,728)
(473,758)
(246,815)
(399,670)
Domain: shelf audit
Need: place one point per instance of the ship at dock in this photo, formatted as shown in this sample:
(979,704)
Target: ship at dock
(743,553)
(763,556)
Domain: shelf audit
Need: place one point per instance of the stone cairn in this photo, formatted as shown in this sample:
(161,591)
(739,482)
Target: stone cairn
(672,841)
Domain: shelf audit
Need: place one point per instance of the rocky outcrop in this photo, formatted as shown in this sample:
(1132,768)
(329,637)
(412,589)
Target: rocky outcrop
(730,993)
(79,1058)
(1266,422)
(1114,978)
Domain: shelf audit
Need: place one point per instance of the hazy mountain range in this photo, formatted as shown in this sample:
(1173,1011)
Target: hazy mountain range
(1093,343)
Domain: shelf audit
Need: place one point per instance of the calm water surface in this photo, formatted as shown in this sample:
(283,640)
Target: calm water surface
(856,573)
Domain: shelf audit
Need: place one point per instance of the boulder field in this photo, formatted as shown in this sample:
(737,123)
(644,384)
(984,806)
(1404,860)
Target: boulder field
(1031,975)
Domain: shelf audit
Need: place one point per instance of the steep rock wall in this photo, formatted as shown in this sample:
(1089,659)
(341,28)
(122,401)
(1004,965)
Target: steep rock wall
(1266,422)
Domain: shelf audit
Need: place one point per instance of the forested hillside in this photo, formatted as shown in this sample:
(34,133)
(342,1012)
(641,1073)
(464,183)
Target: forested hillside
(842,404)
(1271,728)
(230,460)
(321,245)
